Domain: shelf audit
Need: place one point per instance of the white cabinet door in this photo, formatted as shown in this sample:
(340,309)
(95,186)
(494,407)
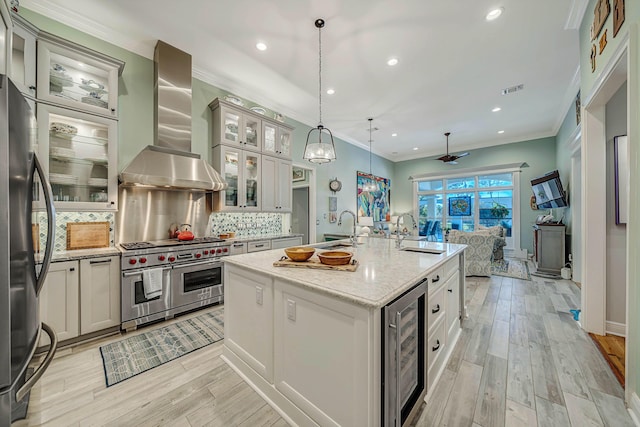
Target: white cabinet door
(276,184)
(285,138)
(79,151)
(235,127)
(23,55)
(276,140)
(76,77)
(249,301)
(59,301)
(242,171)
(286,242)
(99,293)
(452,290)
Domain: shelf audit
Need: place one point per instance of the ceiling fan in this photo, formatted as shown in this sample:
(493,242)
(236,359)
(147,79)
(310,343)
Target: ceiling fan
(450,158)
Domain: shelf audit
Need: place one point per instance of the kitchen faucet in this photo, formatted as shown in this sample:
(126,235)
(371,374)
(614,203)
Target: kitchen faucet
(354,240)
(398,233)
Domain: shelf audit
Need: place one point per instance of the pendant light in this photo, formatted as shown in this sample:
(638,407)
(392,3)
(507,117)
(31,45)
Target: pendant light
(371,185)
(316,150)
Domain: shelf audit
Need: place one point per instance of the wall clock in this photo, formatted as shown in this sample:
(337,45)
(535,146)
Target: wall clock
(335,185)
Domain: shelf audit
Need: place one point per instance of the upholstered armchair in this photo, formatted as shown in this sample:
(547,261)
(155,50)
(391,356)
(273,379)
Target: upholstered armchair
(479,253)
(500,243)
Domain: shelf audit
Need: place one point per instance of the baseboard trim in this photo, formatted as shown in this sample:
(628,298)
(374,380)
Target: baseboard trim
(615,328)
(634,409)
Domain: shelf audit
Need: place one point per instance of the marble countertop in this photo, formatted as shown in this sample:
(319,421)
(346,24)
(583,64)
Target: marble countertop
(82,254)
(262,237)
(384,272)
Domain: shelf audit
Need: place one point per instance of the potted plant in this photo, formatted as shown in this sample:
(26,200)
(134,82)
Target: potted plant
(499,211)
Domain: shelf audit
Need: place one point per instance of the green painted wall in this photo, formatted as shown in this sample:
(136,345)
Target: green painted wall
(588,78)
(540,155)
(563,158)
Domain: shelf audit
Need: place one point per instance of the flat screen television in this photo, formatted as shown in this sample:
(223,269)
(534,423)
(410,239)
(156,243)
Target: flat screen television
(548,191)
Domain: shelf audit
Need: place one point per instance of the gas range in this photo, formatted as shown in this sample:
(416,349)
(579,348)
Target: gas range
(159,253)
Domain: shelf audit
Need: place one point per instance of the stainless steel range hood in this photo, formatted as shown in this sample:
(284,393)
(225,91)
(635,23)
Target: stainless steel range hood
(170,163)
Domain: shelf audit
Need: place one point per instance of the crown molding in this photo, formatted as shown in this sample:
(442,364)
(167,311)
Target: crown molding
(576,14)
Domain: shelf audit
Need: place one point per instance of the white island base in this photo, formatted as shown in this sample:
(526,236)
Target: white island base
(313,349)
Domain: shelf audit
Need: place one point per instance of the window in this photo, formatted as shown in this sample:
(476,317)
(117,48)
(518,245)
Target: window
(466,203)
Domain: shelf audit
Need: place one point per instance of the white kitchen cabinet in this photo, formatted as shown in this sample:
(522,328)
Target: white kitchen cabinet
(254,293)
(276,184)
(236,126)
(99,293)
(286,242)
(241,170)
(59,301)
(23,55)
(452,291)
(258,246)
(276,139)
(79,153)
(76,77)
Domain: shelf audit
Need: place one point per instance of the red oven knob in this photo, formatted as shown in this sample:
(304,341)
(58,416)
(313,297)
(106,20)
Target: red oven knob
(225,249)
(198,255)
(218,250)
(143,260)
(132,261)
(172,258)
(161,258)
(206,252)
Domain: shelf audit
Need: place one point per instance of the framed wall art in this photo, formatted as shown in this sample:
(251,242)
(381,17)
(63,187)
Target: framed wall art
(375,203)
(299,174)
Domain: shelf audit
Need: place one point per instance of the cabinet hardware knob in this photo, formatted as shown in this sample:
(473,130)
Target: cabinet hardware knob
(435,310)
(113,110)
(437,346)
(72,269)
(32,87)
(437,279)
(113,203)
(450,290)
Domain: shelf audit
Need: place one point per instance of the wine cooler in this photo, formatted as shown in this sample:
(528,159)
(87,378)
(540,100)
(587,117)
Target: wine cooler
(404,370)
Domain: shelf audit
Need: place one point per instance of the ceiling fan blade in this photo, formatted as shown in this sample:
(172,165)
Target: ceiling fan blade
(462,155)
(452,162)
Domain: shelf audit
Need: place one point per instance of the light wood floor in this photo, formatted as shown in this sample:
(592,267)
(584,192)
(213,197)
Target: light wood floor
(613,350)
(520,360)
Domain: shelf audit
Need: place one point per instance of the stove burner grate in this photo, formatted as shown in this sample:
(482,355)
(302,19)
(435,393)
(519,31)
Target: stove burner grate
(137,245)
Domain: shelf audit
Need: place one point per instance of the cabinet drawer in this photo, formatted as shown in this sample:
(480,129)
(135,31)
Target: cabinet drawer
(435,307)
(452,291)
(451,266)
(436,279)
(260,245)
(435,347)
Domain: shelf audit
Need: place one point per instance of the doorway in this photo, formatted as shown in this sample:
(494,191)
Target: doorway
(300,213)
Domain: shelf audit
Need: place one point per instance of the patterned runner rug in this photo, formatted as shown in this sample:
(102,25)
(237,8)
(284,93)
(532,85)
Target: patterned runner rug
(516,268)
(131,356)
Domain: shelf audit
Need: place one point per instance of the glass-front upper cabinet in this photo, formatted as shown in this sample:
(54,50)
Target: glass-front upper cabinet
(241,171)
(23,55)
(79,153)
(77,77)
(276,139)
(235,125)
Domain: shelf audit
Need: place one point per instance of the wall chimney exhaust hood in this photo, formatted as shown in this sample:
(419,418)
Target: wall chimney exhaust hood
(170,162)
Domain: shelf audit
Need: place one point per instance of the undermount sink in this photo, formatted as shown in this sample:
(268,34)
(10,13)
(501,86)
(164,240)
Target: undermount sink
(335,246)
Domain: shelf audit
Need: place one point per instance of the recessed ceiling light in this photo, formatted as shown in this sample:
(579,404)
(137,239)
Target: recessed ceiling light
(331,91)
(494,14)
(500,131)
(495,110)
(394,134)
(415,148)
(261,46)
(392,62)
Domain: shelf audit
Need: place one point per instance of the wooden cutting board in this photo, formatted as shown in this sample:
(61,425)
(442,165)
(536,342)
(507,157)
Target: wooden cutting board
(314,262)
(87,235)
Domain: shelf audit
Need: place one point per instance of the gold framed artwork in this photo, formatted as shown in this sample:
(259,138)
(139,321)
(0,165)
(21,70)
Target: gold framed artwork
(298,174)
(618,16)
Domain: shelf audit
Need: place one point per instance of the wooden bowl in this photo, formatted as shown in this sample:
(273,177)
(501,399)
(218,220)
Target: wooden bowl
(224,236)
(299,253)
(335,257)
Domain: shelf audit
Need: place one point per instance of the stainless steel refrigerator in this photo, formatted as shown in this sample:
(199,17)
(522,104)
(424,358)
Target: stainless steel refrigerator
(24,195)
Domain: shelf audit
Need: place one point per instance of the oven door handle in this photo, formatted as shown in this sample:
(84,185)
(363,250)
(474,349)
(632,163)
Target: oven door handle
(194,264)
(139,272)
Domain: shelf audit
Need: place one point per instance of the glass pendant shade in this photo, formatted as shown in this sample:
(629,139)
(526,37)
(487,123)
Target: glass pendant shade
(318,151)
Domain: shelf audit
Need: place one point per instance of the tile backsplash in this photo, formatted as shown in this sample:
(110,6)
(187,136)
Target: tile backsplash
(249,224)
(62,218)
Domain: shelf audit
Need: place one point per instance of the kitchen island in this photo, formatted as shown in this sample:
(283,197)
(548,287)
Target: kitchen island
(312,342)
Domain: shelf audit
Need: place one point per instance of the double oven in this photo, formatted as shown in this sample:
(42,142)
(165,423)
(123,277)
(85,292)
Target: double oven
(188,275)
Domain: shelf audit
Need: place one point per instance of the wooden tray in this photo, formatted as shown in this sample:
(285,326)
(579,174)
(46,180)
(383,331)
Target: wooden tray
(87,235)
(314,262)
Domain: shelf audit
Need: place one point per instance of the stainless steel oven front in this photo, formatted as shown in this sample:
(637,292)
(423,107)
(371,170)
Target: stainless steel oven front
(136,307)
(196,284)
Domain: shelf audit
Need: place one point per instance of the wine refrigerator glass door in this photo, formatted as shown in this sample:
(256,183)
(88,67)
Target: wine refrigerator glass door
(405,374)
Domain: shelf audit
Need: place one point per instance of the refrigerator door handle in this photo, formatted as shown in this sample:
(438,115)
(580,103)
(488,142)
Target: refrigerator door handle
(33,379)
(51,220)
